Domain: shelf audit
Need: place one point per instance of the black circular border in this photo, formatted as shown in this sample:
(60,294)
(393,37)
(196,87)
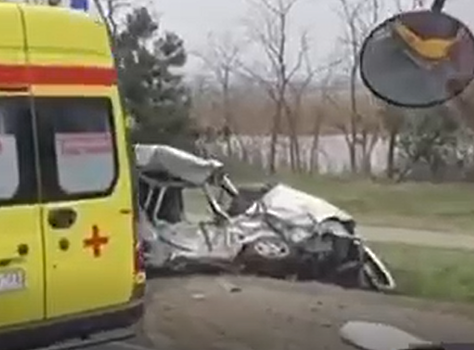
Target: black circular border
(393,102)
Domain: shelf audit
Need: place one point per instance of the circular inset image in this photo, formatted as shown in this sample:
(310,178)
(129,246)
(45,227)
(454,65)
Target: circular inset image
(418,59)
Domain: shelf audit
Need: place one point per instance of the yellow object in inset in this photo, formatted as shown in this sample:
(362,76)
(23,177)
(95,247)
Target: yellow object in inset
(433,49)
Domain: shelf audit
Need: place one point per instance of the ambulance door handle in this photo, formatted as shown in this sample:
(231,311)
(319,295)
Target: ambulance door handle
(64,244)
(62,218)
(23,249)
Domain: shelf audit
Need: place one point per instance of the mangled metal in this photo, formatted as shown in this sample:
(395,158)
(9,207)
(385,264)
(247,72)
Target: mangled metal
(176,163)
(272,229)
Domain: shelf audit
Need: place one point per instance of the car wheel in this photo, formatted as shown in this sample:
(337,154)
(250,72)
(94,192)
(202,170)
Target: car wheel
(271,248)
(270,256)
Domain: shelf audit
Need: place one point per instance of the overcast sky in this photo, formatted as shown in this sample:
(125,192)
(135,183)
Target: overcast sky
(193,20)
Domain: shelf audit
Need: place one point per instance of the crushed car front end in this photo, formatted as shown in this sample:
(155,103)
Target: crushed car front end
(270,229)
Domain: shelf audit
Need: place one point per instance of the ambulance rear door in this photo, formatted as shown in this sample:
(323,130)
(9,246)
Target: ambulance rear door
(21,247)
(86,187)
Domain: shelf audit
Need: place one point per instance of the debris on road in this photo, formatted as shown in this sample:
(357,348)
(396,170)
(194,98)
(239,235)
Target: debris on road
(378,336)
(198,296)
(228,286)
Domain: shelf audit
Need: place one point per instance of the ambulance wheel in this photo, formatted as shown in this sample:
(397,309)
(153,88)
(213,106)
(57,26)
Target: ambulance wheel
(141,336)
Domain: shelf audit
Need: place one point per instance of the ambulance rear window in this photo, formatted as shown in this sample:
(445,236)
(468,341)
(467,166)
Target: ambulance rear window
(17,161)
(78,151)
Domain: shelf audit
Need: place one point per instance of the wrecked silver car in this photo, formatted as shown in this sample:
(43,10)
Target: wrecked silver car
(272,229)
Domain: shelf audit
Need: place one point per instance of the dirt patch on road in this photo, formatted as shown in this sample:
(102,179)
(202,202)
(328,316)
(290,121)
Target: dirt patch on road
(201,313)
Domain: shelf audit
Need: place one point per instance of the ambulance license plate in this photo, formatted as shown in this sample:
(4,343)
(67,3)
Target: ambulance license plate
(12,280)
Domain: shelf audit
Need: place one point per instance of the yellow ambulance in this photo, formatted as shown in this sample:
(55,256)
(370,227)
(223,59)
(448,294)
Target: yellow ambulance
(70,264)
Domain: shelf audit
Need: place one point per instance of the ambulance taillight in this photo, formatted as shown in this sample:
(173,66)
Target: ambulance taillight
(138,259)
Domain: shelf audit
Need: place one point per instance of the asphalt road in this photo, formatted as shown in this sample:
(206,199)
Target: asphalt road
(374,234)
(122,345)
(115,345)
(118,340)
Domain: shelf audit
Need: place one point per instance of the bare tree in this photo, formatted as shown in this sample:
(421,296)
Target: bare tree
(297,92)
(109,11)
(269,31)
(200,95)
(221,60)
(403,5)
(325,100)
(392,117)
(359,16)
(370,134)
(318,120)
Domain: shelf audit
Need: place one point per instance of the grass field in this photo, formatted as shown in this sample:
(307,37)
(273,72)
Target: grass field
(438,207)
(433,273)
(417,205)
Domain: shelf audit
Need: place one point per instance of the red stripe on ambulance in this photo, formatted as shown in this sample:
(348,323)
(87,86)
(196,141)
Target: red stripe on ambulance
(16,75)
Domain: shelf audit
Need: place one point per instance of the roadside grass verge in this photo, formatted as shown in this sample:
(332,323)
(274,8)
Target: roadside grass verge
(417,205)
(431,273)
(438,207)
(446,207)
